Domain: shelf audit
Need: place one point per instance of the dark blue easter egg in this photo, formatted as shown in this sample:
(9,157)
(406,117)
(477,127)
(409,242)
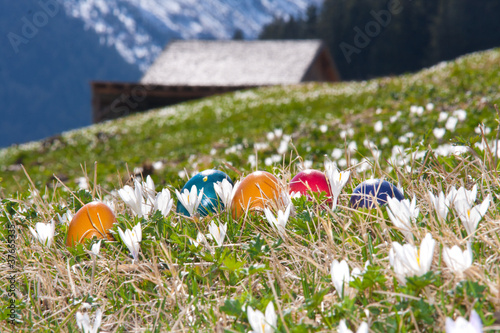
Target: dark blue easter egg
(205,180)
(364,193)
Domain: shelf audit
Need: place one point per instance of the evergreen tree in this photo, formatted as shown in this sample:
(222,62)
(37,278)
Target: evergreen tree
(238,35)
(464,26)
(273,30)
(366,42)
(448,30)
(310,25)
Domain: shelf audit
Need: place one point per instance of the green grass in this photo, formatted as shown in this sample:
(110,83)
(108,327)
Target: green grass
(176,286)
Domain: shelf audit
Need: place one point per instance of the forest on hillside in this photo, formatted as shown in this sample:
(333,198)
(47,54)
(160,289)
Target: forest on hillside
(370,38)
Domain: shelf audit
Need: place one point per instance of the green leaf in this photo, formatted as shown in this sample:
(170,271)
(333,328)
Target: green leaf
(419,282)
(231,264)
(314,302)
(257,247)
(232,307)
(423,311)
(256,268)
(373,276)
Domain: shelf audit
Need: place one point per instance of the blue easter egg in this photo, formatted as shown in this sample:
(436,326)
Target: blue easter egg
(205,180)
(364,193)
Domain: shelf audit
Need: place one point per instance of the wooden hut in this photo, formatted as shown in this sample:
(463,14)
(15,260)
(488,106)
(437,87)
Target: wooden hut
(188,70)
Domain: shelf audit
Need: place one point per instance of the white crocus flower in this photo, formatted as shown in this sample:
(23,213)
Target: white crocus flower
(452,193)
(441,204)
(96,247)
(279,222)
(83,321)
(285,199)
(403,214)
(44,232)
(439,132)
(363,328)
(451,123)
(66,217)
(200,238)
(149,189)
(336,179)
(141,198)
(400,188)
(465,195)
(407,261)
(456,260)
(218,232)
(461,325)
(341,277)
(225,191)
(83,183)
(262,323)
(470,216)
(132,239)
(134,199)
(190,200)
(110,204)
(163,202)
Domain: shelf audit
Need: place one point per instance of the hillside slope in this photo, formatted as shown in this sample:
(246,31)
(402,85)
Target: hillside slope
(431,107)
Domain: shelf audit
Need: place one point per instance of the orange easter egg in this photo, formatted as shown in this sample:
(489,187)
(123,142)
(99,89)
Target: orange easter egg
(93,219)
(253,191)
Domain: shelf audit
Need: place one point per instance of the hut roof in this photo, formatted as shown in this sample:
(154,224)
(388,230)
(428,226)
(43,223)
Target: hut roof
(230,63)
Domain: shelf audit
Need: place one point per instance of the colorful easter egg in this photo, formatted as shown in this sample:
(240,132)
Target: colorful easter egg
(92,220)
(308,181)
(364,193)
(253,192)
(210,202)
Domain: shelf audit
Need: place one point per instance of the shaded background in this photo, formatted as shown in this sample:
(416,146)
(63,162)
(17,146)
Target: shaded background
(44,87)
(421,32)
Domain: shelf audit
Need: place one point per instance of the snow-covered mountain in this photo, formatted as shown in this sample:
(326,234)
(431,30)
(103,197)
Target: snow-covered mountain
(52,49)
(139,29)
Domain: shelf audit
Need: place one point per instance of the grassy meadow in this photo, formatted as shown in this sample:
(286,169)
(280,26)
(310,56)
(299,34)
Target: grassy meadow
(433,130)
